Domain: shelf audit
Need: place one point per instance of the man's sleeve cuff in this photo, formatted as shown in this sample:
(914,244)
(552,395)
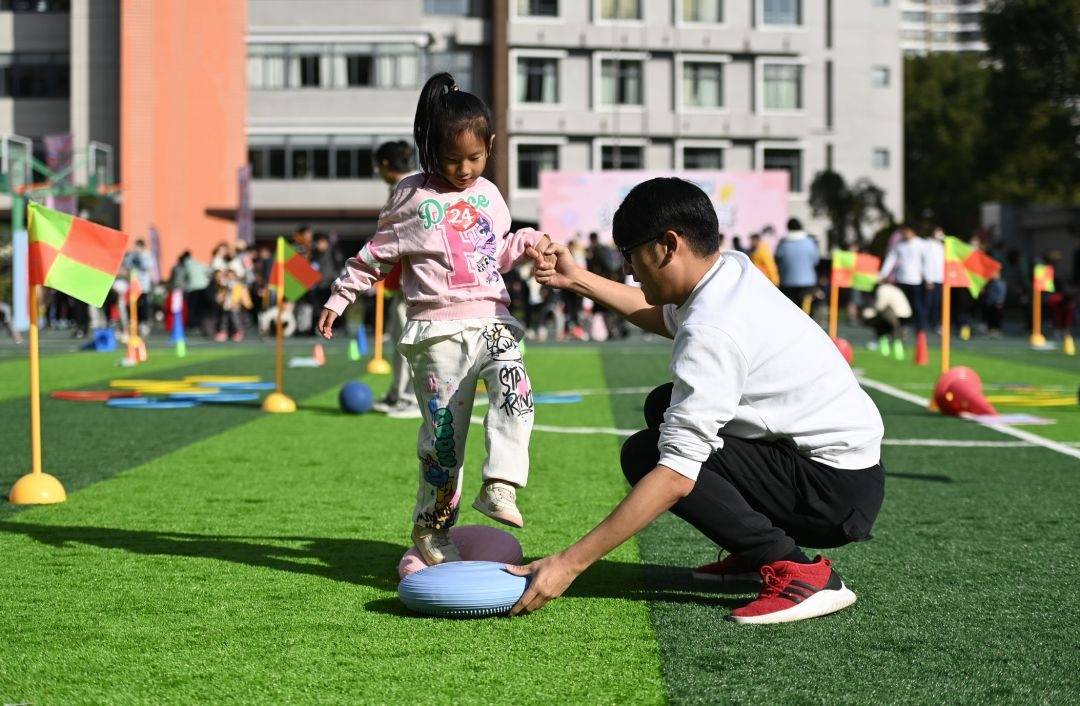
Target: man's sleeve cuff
(682,466)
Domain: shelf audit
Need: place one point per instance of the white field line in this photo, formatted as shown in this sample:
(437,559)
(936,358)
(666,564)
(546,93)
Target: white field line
(1002,428)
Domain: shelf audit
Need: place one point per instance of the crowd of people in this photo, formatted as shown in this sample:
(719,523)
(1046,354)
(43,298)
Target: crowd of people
(228,297)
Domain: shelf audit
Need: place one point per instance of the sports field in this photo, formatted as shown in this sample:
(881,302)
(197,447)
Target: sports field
(219,554)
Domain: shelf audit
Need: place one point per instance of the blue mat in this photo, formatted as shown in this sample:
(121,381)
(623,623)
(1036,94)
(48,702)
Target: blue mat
(556,399)
(216,398)
(149,403)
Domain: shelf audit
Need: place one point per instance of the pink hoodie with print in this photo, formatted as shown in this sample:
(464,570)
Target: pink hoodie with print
(453,246)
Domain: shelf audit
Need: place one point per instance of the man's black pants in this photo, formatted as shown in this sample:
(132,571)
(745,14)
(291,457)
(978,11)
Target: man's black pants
(762,499)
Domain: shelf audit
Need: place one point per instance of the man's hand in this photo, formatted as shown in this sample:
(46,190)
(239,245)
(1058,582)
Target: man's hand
(555,266)
(326,324)
(551,576)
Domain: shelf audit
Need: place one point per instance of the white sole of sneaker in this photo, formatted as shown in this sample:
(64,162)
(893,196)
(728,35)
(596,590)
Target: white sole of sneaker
(821,603)
(515,522)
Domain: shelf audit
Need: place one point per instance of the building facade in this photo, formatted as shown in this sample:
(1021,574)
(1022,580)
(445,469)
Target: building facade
(797,85)
(305,90)
(929,26)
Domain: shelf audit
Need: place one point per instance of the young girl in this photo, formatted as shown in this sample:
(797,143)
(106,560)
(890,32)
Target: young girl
(449,227)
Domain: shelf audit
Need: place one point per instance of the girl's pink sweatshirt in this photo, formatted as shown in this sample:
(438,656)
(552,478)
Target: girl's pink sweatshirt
(453,247)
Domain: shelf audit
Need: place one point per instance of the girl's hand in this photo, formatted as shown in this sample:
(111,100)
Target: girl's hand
(555,266)
(325,327)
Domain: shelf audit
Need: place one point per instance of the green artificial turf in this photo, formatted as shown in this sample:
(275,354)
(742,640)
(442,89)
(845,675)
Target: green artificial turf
(220,554)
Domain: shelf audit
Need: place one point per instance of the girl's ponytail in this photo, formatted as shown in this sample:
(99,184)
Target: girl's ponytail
(430,113)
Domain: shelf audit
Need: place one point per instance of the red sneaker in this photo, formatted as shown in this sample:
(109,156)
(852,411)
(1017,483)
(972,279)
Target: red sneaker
(792,591)
(732,573)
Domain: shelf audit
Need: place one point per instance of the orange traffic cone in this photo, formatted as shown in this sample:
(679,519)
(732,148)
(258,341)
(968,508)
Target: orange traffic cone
(922,355)
(319,354)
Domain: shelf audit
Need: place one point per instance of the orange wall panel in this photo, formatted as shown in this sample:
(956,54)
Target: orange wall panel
(182,111)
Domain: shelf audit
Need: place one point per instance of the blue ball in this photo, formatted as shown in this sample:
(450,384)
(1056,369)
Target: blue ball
(462,589)
(355,397)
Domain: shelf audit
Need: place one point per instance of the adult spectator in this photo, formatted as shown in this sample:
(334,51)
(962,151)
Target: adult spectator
(796,261)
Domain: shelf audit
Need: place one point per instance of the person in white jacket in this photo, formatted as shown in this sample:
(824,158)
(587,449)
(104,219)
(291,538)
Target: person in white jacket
(763,441)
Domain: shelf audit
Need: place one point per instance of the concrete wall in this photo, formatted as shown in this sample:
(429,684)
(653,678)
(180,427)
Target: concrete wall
(182,120)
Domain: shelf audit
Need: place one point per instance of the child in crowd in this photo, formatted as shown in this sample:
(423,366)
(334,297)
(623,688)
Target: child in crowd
(449,228)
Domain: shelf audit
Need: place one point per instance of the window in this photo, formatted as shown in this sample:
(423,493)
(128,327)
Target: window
(459,63)
(703,85)
(538,8)
(914,16)
(358,69)
(782,86)
(881,158)
(880,3)
(620,9)
(354,157)
(447,7)
(317,157)
(308,66)
(281,66)
(710,11)
(27,75)
(880,76)
(781,12)
(533,159)
(35,5)
(621,157)
(620,82)
(703,158)
(537,80)
(787,160)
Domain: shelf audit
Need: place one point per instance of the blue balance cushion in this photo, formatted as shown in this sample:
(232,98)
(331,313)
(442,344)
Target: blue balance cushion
(462,589)
(149,403)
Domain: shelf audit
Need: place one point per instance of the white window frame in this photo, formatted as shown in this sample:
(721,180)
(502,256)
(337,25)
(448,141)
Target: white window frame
(600,143)
(680,23)
(558,55)
(598,59)
(680,145)
(759,84)
(597,20)
(680,61)
(759,162)
(558,19)
(515,142)
(759,19)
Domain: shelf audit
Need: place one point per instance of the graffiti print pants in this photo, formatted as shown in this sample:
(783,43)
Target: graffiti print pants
(446,370)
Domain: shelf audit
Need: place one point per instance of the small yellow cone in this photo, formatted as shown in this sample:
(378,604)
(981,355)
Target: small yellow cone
(1068,346)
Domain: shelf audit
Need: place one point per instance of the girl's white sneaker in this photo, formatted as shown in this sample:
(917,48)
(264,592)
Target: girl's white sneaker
(498,500)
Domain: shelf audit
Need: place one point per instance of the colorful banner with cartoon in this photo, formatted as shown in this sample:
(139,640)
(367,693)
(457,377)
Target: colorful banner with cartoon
(574,204)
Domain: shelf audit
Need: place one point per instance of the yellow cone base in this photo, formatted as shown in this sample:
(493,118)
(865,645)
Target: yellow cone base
(1037,340)
(37,489)
(278,403)
(379,366)
(1068,346)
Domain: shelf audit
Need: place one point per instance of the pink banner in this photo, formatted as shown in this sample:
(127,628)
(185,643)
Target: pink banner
(574,204)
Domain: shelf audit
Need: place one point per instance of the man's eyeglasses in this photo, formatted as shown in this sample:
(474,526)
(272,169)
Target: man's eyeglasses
(627,251)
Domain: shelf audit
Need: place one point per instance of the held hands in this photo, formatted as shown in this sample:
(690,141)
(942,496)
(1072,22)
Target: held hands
(551,576)
(555,265)
(326,324)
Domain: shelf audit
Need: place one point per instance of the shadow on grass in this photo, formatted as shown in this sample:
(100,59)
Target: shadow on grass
(361,561)
(615,579)
(929,477)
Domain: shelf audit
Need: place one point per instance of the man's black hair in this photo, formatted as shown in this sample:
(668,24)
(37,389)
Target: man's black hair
(794,224)
(667,203)
(444,112)
(397,154)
